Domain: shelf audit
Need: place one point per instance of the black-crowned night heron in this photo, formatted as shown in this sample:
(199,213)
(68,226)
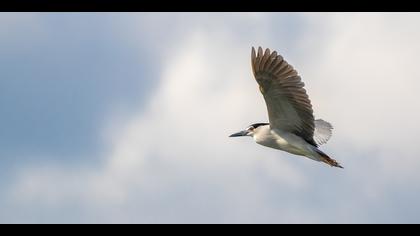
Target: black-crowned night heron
(292,126)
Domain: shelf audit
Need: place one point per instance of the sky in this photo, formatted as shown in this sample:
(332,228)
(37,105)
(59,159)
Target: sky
(125,118)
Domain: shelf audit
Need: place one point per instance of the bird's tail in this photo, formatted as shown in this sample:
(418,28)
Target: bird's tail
(326,159)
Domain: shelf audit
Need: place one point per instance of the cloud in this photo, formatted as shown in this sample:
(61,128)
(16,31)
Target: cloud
(173,162)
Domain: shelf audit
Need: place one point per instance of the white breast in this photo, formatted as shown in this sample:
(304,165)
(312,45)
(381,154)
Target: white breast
(280,140)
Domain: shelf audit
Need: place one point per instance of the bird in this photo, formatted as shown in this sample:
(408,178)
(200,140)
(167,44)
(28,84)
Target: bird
(292,127)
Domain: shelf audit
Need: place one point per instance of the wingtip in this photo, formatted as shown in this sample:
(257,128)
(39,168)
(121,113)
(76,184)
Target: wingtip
(260,52)
(259,49)
(253,56)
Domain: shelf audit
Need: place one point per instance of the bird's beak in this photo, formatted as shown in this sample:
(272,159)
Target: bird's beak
(239,134)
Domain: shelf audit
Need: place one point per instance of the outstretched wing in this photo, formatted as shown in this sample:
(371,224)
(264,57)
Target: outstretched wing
(288,105)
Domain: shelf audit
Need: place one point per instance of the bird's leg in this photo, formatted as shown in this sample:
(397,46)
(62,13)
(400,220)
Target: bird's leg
(331,162)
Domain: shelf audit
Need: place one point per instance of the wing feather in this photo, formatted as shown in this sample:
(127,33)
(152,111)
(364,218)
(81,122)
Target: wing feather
(288,104)
(323,131)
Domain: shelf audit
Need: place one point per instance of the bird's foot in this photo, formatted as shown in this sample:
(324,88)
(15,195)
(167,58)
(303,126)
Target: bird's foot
(331,162)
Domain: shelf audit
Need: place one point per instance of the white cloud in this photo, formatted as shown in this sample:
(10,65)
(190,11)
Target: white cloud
(369,71)
(173,162)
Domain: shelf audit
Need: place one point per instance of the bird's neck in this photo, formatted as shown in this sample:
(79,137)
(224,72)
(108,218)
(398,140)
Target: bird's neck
(261,132)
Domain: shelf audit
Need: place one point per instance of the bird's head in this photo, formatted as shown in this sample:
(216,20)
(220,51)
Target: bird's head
(248,131)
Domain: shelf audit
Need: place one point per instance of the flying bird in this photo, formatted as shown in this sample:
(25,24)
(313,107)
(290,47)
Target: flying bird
(292,127)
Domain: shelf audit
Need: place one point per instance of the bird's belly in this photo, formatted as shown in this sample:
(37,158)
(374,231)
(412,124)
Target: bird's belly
(283,143)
